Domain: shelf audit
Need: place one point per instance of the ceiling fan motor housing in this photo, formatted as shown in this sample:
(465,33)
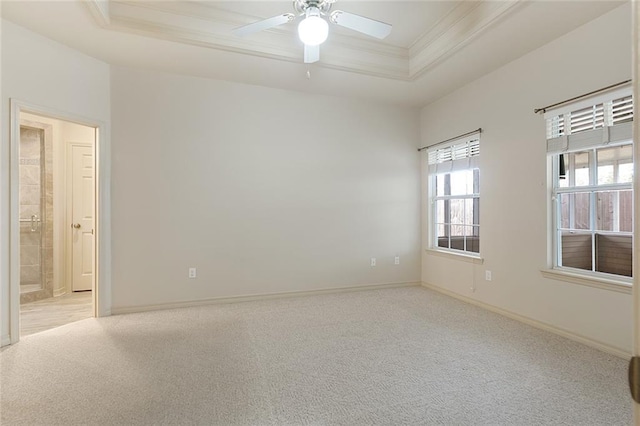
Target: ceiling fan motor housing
(301,6)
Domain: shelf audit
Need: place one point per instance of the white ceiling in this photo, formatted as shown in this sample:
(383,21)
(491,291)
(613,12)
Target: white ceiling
(434,48)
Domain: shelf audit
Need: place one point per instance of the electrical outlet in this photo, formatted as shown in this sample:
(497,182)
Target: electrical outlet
(487,275)
(396,261)
(192,273)
(373,261)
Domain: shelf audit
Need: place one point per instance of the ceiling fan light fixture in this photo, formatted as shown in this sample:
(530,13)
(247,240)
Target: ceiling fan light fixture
(314,27)
(313,30)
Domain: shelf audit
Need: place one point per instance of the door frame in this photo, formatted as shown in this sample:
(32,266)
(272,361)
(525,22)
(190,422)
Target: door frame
(102,242)
(635,77)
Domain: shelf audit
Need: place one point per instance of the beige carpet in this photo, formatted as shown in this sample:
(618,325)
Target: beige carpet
(383,357)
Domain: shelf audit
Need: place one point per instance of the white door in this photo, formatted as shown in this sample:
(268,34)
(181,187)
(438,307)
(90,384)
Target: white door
(82,196)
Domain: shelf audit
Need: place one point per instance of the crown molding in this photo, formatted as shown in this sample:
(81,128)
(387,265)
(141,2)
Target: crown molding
(203,24)
(455,30)
(100,11)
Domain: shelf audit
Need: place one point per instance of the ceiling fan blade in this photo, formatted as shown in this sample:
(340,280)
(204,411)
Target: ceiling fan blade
(361,24)
(311,53)
(265,24)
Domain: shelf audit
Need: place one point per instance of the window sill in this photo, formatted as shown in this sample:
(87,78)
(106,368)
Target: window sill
(619,286)
(456,256)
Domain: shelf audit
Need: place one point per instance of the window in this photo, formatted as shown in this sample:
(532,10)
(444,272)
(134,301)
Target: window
(454,182)
(591,154)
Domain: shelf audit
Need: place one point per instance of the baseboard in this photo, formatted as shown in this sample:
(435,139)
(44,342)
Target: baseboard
(59,292)
(253,297)
(535,323)
(5,340)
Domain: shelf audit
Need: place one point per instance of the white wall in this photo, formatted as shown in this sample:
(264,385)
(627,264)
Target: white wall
(263,190)
(514,194)
(39,71)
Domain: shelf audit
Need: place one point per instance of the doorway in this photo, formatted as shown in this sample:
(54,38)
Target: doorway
(56,221)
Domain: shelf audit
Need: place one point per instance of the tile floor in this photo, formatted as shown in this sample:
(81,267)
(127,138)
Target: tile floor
(54,312)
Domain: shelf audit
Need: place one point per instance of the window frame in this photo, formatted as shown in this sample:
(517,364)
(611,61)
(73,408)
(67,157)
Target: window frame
(592,189)
(473,143)
(474,196)
(590,124)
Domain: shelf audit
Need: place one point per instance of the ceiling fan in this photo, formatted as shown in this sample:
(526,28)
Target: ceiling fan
(314,29)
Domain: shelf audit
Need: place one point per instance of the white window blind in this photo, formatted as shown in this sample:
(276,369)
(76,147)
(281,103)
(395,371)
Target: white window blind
(591,122)
(459,154)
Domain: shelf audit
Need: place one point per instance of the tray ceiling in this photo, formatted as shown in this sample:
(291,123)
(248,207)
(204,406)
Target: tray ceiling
(417,63)
(424,32)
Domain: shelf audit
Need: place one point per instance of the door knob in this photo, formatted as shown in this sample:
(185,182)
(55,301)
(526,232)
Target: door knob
(75,225)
